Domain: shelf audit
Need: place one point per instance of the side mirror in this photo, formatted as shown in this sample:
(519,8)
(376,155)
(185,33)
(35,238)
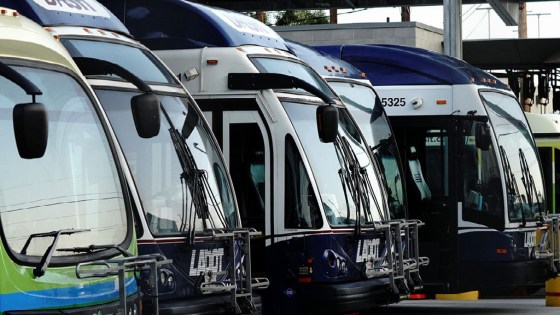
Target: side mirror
(327,123)
(31,129)
(145,112)
(483,139)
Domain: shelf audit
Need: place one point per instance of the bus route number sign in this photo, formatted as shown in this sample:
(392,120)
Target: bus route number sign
(393,101)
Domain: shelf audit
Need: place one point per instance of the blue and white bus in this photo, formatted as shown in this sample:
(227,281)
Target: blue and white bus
(188,211)
(319,199)
(473,172)
(364,104)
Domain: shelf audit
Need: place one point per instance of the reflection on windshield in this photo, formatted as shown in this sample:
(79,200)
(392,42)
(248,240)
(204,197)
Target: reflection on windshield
(328,166)
(294,69)
(75,185)
(140,62)
(518,148)
(165,188)
(368,112)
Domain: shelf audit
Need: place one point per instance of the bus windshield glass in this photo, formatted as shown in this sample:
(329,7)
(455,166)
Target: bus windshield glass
(294,69)
(75,185)
(328,168)
(173,200)
(368,112)
(522,171)
(138,61)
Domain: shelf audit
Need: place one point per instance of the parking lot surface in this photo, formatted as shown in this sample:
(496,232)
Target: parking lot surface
(486,307)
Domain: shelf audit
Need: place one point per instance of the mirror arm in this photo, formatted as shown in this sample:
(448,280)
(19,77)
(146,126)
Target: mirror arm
(14,76)
(93,66)
(265,81)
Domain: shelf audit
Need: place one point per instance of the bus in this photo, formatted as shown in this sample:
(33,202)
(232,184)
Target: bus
(186,209)
(473,173)
(63,189)
(299,163)
(364,104)
(546,131)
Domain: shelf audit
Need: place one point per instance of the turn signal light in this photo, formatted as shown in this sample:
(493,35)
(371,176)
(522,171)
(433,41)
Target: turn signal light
(212,62)
(501,251)
(441,102)
(363,75)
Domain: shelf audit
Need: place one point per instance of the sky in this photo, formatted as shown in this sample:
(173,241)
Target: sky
(475,22)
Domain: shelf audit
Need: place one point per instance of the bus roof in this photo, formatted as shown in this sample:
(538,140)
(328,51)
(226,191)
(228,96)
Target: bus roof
(324,64)
(22,38)
(402,65)
(544,124)
(85,13)
(178,24)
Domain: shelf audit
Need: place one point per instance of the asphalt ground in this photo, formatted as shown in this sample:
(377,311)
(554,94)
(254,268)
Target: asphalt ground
(486,307)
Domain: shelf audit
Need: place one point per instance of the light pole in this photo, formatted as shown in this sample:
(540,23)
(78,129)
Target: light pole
(487,12)
(539,20)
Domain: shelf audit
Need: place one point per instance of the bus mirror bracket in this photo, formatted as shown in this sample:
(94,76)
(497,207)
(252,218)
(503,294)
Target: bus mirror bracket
(483,139)
(144,107)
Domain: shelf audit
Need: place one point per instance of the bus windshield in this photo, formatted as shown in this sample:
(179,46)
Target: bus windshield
(165,187)
(328,167)
(522,171)
(294,69)
(138,61)
(368,112)
(75,185)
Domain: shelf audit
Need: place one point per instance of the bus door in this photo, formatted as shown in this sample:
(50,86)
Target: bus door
(246,148)
(425,150)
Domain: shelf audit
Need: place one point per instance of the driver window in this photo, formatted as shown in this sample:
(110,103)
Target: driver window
(302,209)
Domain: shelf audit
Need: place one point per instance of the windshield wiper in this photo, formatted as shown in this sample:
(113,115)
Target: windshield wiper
(41,268)
(356,179)
(197,182)
(511,184)
(92,248)
(528,182)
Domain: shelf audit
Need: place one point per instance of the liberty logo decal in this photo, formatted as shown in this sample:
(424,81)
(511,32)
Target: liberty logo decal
(205,260)
(530,239)
(368,251)
(289,292)
(75,6)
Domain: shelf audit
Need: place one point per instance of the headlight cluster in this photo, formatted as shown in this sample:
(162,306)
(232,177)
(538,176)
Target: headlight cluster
(334,264)
(167,279)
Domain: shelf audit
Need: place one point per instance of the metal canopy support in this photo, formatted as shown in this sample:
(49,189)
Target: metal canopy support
(452,28)
(507,10)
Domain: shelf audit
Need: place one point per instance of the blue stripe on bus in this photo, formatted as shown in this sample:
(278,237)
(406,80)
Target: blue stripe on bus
(63,297)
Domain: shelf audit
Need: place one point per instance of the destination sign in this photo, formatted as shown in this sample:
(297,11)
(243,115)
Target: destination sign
(245,24)
(86,7)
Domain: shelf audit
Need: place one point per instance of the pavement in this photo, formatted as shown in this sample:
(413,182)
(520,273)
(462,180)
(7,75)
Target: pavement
(487,307)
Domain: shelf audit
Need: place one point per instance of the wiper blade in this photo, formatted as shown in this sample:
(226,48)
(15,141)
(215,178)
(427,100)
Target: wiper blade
(41,268)
(92,248)
(197,182)
(511,184)
(528,182)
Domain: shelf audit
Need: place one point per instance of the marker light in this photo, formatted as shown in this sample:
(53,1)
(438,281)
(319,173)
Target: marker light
(15,13)
(212,62)
(48,29)
(85,29)
(508,87)
(335,68)
(472,80)
(343,70)
(309,260)
(304,279)
(101,32)
(267,50)
(363,75)
(494,82)
(483,80)
(328,68)
(501,251)
(4,11)
(441,102)
(56,37)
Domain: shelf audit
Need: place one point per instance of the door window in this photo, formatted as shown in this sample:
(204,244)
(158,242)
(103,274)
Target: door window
(301,208)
